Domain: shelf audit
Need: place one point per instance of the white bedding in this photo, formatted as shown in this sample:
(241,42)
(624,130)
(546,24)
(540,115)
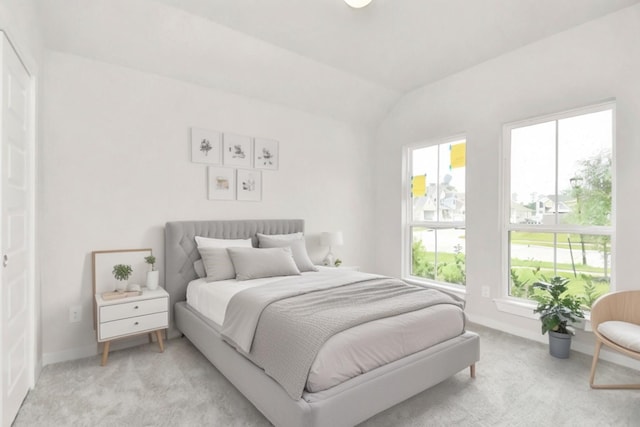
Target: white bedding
(352,352)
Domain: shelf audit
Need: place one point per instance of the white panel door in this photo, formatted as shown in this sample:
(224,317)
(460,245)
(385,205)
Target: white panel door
(16,325)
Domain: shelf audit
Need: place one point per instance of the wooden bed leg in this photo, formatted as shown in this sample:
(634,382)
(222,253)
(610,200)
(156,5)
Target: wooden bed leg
(472,370)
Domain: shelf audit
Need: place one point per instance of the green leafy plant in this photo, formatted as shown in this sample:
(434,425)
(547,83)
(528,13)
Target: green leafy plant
(337,262)
(591,292)
(151,260)
(556,307)
(122,271)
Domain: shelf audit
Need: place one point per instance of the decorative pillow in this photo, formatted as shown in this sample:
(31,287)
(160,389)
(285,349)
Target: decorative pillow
(253,263)
(298,249)
(217,264)
(209,242)
(199,267)
(290,236)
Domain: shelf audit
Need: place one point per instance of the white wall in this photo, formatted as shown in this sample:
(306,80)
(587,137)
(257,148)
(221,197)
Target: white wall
(116,167)
(596,61)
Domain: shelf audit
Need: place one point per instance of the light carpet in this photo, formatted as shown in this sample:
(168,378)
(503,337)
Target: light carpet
(518,384)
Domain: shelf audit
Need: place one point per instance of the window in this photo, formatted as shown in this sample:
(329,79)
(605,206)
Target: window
(435,212)
(559,201)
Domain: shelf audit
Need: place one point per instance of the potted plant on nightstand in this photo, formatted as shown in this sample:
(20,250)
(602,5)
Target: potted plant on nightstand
(122,272)
(557,308)
(153,276)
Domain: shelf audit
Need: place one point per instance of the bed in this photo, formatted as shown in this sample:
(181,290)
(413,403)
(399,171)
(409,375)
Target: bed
(346,403)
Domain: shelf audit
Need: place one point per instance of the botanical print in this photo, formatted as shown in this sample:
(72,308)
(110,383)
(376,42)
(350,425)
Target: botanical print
(266,154)
(206,146)
(221,183)
(237,150)
(249,185)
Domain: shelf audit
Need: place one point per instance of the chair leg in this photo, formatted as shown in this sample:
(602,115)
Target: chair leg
(596,354)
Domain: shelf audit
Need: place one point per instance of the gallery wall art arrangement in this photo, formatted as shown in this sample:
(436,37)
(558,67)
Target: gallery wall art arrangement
(236,163)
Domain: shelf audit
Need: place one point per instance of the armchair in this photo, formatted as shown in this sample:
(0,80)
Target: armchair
(615,319)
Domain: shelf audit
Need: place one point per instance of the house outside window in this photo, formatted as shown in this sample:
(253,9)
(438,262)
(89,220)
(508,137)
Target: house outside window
(559,201)
(435,212)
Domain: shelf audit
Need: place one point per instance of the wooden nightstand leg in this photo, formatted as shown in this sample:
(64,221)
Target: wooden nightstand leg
(150,337)
(160,344)
(105,352)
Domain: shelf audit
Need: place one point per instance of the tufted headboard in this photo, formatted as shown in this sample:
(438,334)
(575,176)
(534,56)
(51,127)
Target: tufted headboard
(180,249)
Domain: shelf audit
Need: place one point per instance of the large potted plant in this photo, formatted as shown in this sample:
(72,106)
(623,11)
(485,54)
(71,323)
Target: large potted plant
(557,309)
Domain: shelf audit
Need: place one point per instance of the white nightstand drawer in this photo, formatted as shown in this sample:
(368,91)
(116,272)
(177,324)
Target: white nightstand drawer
(133,325)
(130,309)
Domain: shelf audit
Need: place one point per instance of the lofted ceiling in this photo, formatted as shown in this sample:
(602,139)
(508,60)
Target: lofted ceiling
(319,56)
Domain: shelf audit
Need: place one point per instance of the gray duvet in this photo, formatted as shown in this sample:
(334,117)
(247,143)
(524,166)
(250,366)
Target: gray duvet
(281,327)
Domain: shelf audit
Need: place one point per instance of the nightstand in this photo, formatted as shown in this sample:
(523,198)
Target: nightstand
(147,313)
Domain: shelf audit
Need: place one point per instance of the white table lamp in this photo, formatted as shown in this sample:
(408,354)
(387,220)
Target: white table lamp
(330,239)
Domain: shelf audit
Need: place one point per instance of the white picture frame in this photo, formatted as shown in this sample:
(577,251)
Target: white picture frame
(249,185)
(221,183)
(237,151)
(265,154)
(206,146)
(102,266)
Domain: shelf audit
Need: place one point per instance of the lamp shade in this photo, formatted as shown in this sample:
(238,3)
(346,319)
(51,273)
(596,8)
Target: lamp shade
(357,4)
(333,238)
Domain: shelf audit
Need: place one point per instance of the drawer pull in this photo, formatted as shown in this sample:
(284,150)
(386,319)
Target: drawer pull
(135,308)
(136,323)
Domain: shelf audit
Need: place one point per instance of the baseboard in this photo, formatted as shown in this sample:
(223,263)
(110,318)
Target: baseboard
(580,347)
(71,354)
(91,350)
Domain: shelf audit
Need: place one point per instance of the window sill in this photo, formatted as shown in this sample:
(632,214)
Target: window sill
(525,309)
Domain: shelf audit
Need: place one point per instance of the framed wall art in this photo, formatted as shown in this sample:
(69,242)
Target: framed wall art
(238,150)
(222,183)
(265,154)
(249,185)
(206,146)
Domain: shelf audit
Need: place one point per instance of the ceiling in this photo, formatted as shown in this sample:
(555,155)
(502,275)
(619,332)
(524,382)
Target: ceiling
(320,56)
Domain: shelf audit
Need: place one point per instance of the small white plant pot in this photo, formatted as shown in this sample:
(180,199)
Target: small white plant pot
(153,278)
(121,285)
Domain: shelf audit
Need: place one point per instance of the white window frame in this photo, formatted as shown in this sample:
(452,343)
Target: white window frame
(520,306)
(407,214)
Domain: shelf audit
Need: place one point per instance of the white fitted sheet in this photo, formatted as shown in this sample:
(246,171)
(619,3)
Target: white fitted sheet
(351,352)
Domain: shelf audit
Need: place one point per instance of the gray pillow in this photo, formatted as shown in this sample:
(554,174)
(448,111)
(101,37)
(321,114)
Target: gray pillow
(253,263)
(298,249)
(198,266)
(217,264)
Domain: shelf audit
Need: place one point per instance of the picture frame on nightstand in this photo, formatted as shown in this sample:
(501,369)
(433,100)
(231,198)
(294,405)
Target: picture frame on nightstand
(102,266)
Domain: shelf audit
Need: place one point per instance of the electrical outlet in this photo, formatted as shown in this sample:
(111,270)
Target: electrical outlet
(75,314)
(486,292)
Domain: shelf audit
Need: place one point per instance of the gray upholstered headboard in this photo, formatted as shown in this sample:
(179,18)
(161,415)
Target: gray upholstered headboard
(180,249)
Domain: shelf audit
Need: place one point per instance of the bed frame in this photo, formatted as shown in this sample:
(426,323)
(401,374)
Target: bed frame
(346,404)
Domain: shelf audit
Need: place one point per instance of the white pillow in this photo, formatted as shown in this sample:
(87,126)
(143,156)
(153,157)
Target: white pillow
(209,242)
(253,263)
(290,236)
(298,249)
